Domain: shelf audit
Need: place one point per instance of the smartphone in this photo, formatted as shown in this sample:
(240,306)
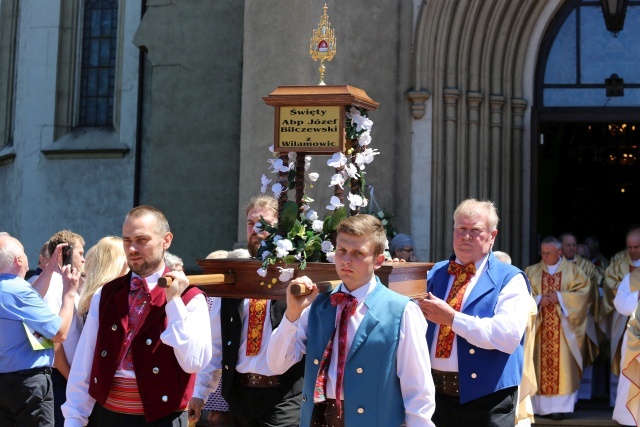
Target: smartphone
(67,255)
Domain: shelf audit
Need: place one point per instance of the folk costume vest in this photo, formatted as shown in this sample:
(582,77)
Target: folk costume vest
(164,387)
(231,313)
(372,395)
(494,370)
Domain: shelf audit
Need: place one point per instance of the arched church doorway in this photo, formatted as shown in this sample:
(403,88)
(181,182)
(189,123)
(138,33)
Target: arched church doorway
(586,150)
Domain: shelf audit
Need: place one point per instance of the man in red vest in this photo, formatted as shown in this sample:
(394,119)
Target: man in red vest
(141,344)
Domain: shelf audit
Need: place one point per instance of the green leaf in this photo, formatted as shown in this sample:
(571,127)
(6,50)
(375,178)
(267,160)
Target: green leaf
(269,228)
(313,245)
(289,215)
(289,259)
(331,222)
(314,257)
(297,229)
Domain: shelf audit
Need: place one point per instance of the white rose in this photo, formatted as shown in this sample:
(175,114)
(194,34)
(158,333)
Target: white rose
(312,215)
(335,203)
(355,201)
(365,138)
(337,179)
(317,226)
(327,246)
(277,189)
(283,248)
(352,171)
(337,160)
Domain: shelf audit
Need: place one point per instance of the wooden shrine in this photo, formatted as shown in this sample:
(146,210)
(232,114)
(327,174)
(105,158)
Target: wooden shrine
(309,120)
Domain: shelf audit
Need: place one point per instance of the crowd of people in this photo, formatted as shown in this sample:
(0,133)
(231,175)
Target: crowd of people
(100,341)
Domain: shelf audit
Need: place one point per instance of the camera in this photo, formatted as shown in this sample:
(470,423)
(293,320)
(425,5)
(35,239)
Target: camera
(67,255)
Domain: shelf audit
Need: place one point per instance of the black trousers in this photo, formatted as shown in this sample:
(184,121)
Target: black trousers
(102,417)
(59,396)
(494,410)
(26,400)
(326,414)
(265,407)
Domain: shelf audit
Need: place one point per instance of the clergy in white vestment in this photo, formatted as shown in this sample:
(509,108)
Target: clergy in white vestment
(626,303)
(561,290)
(622,264)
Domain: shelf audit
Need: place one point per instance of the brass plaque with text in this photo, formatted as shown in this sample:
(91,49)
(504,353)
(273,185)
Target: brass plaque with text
(310,128)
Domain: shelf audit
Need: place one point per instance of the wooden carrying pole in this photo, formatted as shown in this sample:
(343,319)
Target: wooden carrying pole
(213,285)
(238,278)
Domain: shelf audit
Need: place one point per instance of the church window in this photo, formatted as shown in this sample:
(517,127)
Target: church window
(98,70)
(583,54)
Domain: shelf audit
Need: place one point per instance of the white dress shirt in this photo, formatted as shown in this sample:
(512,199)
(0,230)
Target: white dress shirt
(53,298)
(289,342)
(187,332)
(503,331)
(625,300)
(208,378)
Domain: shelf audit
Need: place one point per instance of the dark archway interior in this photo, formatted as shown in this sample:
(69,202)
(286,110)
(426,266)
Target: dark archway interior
(588,180)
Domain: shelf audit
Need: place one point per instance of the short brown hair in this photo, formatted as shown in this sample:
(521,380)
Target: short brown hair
(262,201)
(143,210)
(44,250)
(64,236)
(368,226)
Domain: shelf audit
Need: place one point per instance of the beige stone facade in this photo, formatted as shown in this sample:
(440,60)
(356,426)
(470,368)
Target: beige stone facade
(455,80)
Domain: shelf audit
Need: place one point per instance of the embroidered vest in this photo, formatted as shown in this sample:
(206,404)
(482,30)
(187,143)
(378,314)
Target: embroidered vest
(370,378)
(164,387)
(494,370)
(231,331)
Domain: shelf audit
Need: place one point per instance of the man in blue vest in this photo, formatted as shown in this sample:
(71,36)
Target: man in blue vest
(477,309)
(367,362)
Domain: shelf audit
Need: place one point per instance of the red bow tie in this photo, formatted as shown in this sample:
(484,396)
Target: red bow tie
(138,283)
(456,269)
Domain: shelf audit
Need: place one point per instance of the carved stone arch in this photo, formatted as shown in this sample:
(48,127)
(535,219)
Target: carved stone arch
(471,57)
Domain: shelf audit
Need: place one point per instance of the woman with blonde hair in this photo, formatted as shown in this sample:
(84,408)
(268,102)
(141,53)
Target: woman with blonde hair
(105,261)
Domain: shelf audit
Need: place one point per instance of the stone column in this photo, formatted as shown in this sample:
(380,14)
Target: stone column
(474,99)
(518,107)
(451,161)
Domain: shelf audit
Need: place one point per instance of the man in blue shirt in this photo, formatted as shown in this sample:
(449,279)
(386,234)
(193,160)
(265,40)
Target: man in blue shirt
(26,396)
